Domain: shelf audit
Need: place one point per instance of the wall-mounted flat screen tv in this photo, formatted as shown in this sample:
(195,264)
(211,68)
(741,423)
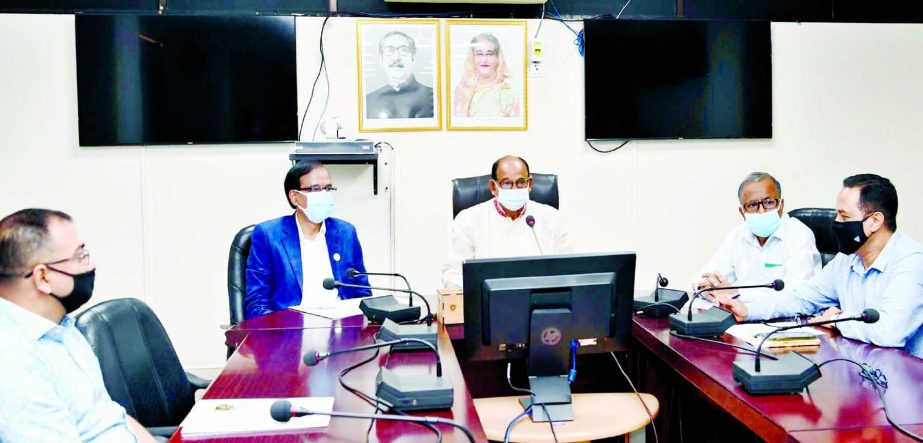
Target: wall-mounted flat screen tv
(149,80)
(670,79)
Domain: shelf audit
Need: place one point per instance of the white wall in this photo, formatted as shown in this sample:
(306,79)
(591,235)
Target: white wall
(159,220)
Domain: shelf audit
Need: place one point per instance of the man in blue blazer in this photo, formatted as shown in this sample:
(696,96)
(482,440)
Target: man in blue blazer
(290,256)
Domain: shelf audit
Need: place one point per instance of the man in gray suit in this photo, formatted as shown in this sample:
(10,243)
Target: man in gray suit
(403,96)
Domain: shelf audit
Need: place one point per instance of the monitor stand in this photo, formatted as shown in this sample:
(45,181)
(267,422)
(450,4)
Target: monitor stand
(549,352)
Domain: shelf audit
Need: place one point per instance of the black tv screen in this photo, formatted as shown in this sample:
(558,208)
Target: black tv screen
(678,79)
(182,79)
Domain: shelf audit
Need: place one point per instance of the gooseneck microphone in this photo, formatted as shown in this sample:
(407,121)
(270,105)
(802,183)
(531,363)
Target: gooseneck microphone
(353,273)
(776,284)
(866,316)
(330,283)
(405,392)
(312,358)
(712,322)
(530,220)
(788,373)
(283,411)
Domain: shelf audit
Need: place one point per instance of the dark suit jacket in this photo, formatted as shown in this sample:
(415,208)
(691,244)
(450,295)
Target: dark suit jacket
(274,277)
(413,101)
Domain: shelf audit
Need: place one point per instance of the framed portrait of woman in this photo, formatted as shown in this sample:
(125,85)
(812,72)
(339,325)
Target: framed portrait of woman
(487,81)
(399,75)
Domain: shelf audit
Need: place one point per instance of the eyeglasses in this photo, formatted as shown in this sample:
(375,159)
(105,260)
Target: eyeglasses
(480,53)
(389,50)
(318,188)
(83,257)
(508,184)
(767,203)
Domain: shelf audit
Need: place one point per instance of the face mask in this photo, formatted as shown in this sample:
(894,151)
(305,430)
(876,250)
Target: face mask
(80,293)
(850,236)
(513,199)
(763,225)
(320,206)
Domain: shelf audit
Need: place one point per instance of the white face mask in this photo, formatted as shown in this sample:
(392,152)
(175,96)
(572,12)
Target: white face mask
(320,205)
(513,199)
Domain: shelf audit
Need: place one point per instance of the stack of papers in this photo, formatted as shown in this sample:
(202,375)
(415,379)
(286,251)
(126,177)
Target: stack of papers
(753,333)
(249,415)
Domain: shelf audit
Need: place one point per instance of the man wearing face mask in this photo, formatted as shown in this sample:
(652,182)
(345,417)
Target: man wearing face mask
(292,255)
(768,245)
(51,388)
(403,96)
(878,268)
(498,228)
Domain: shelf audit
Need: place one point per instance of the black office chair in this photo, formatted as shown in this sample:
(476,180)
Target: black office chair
(820,220)
(237,276)
(237,273)
(139,365)
(469,191)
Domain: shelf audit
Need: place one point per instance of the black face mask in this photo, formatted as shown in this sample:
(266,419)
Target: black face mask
(850,236)
(81,292)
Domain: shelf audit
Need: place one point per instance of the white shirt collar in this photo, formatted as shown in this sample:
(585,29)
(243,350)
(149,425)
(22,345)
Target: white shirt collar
(34,326)
(322,231)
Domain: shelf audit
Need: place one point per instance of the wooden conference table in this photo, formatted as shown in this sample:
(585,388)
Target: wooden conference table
(268,364)
(839,407)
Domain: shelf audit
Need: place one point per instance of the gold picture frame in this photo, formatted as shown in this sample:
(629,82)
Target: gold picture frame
(483,60)
(399,74)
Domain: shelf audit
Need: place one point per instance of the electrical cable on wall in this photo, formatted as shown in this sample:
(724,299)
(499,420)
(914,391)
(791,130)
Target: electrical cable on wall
(610,150)
(323,66)
(319,70)
(540,21)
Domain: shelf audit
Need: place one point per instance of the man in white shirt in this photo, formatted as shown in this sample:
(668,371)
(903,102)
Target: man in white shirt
(498,227)
(767,246)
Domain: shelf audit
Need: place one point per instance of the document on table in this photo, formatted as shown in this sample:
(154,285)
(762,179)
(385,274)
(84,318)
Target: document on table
(246,415)
(334,311)
(753,333)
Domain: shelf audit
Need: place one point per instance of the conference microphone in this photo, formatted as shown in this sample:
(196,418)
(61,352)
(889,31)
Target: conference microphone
(662,302)
(789,373)
(312,358)
(713,321)
(408,392)
(530,220)
(380,303)
(283,411)
(776,284)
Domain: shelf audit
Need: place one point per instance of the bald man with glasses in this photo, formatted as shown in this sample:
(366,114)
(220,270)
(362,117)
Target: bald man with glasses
(766,246)
(498,227)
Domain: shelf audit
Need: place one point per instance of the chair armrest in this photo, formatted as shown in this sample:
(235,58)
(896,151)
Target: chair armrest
(197,382)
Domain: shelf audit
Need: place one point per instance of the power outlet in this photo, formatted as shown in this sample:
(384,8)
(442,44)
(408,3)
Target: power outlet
(536,55)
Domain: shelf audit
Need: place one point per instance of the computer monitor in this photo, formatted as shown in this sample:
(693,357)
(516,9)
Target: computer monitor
(532,307)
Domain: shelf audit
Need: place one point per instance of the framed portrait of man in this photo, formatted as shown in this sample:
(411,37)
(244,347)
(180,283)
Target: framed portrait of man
(487,81)
(399,75)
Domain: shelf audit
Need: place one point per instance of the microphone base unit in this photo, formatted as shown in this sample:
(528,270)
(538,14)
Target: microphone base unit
(414,392)
(710,323)
(392,331)
(659,303)
(379,309)
(790,374)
